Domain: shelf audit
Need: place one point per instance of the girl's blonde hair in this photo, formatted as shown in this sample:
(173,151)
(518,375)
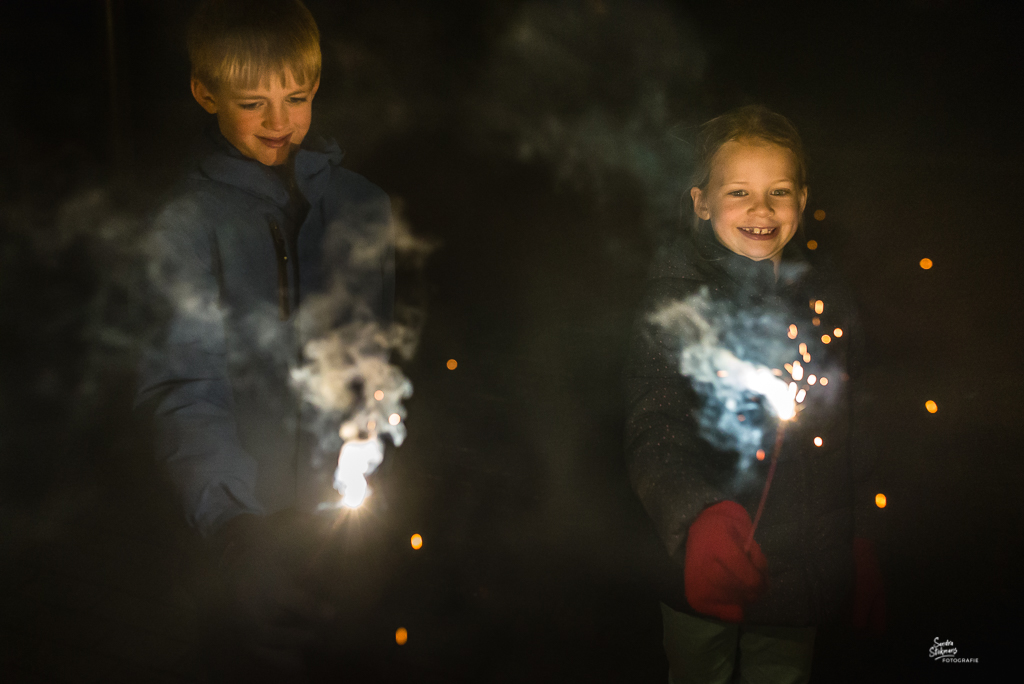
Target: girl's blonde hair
(245,42)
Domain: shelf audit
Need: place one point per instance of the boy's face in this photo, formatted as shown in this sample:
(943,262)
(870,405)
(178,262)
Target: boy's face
(265,123)
(754,199)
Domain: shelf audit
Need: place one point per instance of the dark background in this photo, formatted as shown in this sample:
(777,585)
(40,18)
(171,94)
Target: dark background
(536,557)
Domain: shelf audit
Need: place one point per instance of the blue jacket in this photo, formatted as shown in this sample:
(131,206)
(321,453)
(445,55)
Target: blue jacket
(235,266)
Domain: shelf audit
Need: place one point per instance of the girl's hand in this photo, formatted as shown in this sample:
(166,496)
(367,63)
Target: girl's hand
(719,577)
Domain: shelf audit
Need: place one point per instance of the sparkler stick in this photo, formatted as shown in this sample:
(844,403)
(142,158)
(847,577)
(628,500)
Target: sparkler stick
(780,434)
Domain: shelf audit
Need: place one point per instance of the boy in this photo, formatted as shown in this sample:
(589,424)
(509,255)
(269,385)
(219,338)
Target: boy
(265,218)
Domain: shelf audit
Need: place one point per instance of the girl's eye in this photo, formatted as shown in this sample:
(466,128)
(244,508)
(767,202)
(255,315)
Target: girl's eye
(738,193)
(781,191)
(297,100)
(249,105)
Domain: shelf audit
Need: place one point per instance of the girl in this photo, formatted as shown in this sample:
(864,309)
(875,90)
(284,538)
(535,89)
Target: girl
(735,607)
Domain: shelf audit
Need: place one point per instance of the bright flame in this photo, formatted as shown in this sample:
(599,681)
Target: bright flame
(792,332)
(838,332)
(379,395)
(358,458)
(818,441)
(926,263)
(823,381)
(760,454)
(394,419)
(452,364)
(811,379)
(880,500)
(931,406)
(826,339)
(416,541)
(401,636)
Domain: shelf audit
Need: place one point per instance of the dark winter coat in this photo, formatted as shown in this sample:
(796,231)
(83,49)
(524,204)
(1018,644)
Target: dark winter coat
(236,253)
(819,495)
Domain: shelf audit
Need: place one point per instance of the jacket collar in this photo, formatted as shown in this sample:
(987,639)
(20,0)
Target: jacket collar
(747,273)
(219,160)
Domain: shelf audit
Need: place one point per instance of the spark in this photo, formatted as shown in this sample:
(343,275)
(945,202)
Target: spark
(838,332)
(379,395)
(931,406)
(797,371)
(818,441)
(800,396)
(825,339)
(880,500)
(812,245)
(723,374)
(811,379)
(452,364)
(394,419)
(358,458)
(823,381)
(401,636)
(807,358)
(416,541)
(926,263)
(819,307)
(792,331)
(803,348)
(760,454)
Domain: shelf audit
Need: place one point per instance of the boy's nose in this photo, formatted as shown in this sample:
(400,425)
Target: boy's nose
(277,118)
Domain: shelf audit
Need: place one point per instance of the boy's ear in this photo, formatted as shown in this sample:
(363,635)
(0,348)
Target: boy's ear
(700,206)
(203,96)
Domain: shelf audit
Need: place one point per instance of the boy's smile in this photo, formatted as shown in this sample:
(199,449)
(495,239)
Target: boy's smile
(753,199)
(263,123)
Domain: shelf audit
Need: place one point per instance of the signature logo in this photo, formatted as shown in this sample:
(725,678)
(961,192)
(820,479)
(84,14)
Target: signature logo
(945,652)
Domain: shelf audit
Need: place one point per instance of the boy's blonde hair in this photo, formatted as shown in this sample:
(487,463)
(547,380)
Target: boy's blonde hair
(245,42)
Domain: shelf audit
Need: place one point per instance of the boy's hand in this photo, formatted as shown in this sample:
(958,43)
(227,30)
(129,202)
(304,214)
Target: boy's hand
(266,571)
(719,577)
(869,589)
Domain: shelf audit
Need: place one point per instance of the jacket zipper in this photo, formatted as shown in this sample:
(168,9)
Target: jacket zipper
(283,292)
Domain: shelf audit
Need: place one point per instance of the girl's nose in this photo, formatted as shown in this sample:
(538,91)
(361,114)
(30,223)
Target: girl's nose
(761,206)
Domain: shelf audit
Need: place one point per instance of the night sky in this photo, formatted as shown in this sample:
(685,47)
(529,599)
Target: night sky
(546,177)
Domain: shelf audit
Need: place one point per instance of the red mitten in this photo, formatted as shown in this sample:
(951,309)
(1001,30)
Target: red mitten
(719,577)
(869,589)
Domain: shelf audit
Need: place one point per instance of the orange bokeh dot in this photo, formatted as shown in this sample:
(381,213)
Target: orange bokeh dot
(838,332)
(823,381)
(926,264)
(452,364)
(812,244)
(819,215)
(818,441)
(760,454)
(379,395)
(416,541)
(826,339)
(819,307)
(401,636)
(931,406)
(880,500)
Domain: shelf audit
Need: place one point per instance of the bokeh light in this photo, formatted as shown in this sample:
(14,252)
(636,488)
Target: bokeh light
(812,244)
(394,419)
(379,395)
(823,381)
(792,332)
(825,339)
(452,364)
(818,441)
(760,454)
(819,215)
(416,541)
(880,500)
(401,636)
(926,263)
(819,307)
(931,406)
(838,332)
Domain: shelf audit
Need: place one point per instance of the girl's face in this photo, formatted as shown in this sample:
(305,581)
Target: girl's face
(753,199)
